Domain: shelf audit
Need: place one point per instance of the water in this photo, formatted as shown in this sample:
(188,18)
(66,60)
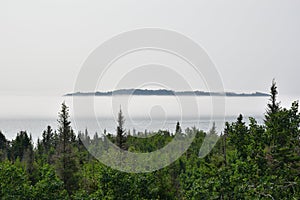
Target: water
(34,113)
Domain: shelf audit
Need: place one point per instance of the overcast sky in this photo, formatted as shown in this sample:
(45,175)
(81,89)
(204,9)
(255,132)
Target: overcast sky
(43,44)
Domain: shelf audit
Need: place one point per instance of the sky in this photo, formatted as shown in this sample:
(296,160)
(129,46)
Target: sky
(43,44)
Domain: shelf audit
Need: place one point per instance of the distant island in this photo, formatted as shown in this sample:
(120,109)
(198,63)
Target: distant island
(164,92)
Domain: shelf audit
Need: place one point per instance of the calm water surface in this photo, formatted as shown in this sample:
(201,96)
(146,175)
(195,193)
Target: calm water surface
(34,113)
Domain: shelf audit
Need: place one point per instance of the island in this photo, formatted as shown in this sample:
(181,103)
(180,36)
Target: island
(164,92)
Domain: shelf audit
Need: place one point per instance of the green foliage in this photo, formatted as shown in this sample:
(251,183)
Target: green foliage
(22,146)
(14,182)
(45,152)
(248,161)
(49,185)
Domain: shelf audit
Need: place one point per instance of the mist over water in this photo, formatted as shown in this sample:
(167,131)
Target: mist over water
(151,113)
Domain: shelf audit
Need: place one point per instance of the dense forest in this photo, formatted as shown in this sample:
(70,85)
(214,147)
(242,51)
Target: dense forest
(249,161)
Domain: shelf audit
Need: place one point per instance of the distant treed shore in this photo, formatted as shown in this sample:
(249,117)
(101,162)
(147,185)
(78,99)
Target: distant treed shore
(163,92)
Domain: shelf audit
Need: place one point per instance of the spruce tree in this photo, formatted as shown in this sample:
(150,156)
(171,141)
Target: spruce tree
(3,141)
(46,146)
(121,134)
(21,146)
(67,164)
(48,139)
(178,129)
(273,106)
(3,147)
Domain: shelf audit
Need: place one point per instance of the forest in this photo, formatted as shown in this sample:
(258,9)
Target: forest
(249,161)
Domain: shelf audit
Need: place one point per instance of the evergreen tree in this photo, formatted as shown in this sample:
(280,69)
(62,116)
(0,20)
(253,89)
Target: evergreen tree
(46,146)
(178,129)
(22,147)
(22,150)
(65,130)
(238,135)
(48,139)
(67,161)
(3,147)
(3,141)
(273,106)
(121,134)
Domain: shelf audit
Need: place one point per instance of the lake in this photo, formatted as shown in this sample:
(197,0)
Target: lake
(151,113)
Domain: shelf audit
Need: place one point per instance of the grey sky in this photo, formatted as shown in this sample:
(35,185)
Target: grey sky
(44,43)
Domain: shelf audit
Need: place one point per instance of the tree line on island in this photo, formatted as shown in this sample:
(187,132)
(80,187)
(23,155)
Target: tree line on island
(164,92)
(249,161)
